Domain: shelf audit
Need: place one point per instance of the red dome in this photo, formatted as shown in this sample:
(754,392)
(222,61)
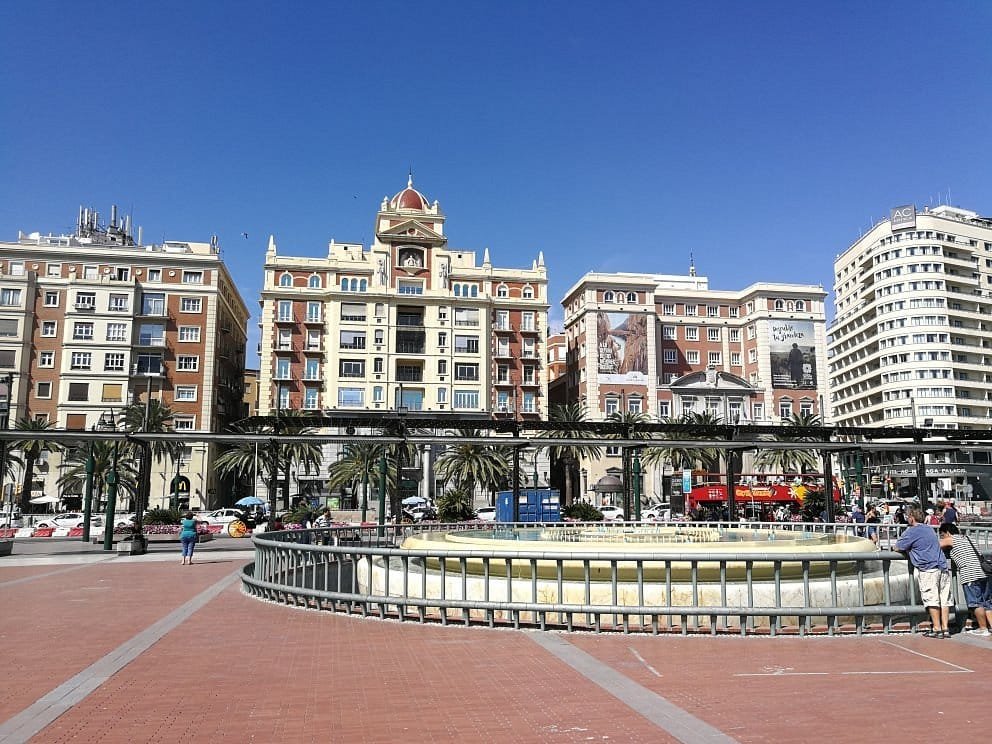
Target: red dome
(409,198)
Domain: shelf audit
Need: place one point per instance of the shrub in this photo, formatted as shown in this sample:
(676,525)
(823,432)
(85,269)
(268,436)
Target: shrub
(582,512)
(161,516)
(455,506)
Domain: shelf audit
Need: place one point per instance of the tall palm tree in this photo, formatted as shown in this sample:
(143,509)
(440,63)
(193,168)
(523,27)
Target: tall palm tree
(692,426)
(73,476)
(32,447)
(565,417)
(471,465)
(630,420)
(156,417)
(360,462)
(793,459)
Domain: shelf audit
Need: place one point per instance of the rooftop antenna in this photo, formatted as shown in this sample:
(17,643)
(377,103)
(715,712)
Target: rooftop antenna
(692,265)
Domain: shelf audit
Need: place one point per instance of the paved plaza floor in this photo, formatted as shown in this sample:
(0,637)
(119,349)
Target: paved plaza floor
(100,648)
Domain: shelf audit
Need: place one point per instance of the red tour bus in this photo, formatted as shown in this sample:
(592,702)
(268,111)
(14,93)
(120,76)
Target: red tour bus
(765,489)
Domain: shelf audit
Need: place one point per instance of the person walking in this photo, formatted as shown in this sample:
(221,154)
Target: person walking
(872,520)
(933,575)
(976,584)
(950,514)
(187,537)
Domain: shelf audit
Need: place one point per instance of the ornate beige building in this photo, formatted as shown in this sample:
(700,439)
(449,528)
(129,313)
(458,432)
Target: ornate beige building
(408,322)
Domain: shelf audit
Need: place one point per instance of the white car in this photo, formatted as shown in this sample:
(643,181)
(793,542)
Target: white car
(69,520)
(486,514)
(221,516)
(656,515)
(124,520)
(612,513)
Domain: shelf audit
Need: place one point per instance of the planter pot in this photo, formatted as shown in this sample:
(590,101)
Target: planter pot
(6,547)
(131,546)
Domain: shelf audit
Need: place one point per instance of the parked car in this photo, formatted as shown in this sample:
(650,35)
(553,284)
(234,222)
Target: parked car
(221,516)
(486,514)
(68,520)
(656,514)
(124,520)
(612,513)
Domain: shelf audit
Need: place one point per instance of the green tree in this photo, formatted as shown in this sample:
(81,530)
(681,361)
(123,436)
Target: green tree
(32,447)
(455,506)
(565,418)
(630,420)
(73,478)
(469,465)
(691,426)
(796,459)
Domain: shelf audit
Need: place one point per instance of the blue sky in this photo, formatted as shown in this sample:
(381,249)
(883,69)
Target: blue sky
(761,137)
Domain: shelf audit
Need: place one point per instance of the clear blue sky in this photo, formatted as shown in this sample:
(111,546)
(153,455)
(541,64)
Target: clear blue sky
(762,137)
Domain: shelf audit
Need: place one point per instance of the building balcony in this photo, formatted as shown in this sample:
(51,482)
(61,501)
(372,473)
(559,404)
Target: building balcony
(150,342)
(410,348)
(503,354)
(282,319)
(310,320)
(84,307)
(312,348)
(409,375)
(283,376)
(144,370)
(530,383)
(504,408)
(414,321)
(149,312)
(360,345)
(284,349)
(503,327)
(532,328)
(504,382)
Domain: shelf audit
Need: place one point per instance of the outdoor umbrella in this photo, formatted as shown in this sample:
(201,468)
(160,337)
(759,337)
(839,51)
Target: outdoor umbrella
(250,501)
(45,500)
(409,500)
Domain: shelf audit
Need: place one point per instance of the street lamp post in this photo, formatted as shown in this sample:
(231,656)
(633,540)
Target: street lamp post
(8,382)
(88,494)
(108,525)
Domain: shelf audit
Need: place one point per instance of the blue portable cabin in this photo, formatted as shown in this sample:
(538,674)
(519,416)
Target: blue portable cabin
(536,505)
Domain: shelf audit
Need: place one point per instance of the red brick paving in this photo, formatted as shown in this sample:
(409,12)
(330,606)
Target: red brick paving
(242,670)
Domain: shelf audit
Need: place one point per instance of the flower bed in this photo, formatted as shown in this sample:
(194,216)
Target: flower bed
(162,529)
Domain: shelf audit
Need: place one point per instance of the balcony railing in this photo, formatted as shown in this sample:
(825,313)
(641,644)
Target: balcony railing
(407,347)
(409,375)
(410,320)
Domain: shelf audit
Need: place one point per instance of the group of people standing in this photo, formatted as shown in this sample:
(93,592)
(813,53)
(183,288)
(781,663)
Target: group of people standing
(928,552)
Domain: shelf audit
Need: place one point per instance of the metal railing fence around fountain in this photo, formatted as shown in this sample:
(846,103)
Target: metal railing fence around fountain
(362,571)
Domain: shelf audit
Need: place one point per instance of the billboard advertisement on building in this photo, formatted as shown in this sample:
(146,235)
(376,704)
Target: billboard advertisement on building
(793,354)
(622,340)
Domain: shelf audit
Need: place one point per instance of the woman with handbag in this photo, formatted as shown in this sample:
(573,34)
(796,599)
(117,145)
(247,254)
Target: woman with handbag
(974,580)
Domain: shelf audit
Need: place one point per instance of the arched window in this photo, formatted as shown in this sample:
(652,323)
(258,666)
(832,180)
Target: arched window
(790,306)
(528,292)
(344,284)
(363,285)
(800,306)
(354,285)
(779,305)
(286,280)
(632,298)
(475,291)
(314,282)
(502,291)
(458,290)
(607,297)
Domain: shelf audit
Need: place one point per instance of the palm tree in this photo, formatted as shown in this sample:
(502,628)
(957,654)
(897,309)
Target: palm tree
(792,460)
(471,465)
(156,417)
(32,447)
(73,478)
(566,417)
(630,420)
(691,426)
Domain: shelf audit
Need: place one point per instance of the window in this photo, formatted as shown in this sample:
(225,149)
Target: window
(378,394)
(410,287)
(503,320)
(10,297)
(712,334)
(46,358)
(8,358)
(735,335)
(117,331)
(349,397)
(691,333)
(352,368)
(53,269)
(151,334)
(154,275)
(148,364)
(79,391)
(751,333)
(380,336)
(189,333)
(351,340)
(85,300)
(284,311)
(285,280)
(466,317)
(714,357)
(187,363)
(51,298)
(752,355)
(184,423)
(669,332)
(466,399)
(634,405)
(692,309)
(120,274)
(113,361)
(780,305)
(692,356)
(527,322)
(314,281)
(713,311)
(467,372)
(113,392)
(528,292)
(607,297)
(313,312)
(283,396)
(664,409)
(49,328)
(806,407)
(466,344)
(311,397)
(118,303)
(311,369)
(735,359)
(192,277)
(529,403)
(502,291)
(612,406)
(735,312)
(153,303)
(442,339)
(502,347)
(785,408)
(91,271)
(313,339)
(632,298)
(191,304)
(82,331)
(185,393)
(442,366)
(43,390)
(670,356)
(800,306)
(668,309)
(380,310)
(528,348)
(282,369)
(352,311)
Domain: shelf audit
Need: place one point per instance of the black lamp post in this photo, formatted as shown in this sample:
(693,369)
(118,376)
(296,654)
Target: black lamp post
(109,421)
(8,382)
(88,493)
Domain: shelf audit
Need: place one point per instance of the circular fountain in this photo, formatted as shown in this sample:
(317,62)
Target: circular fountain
(642,566)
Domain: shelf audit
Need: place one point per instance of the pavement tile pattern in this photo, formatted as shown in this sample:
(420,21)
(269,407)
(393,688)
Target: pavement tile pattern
(241,670)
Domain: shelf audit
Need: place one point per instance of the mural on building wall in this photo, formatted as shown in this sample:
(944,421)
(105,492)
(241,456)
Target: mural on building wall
(793,355)
(622,339)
